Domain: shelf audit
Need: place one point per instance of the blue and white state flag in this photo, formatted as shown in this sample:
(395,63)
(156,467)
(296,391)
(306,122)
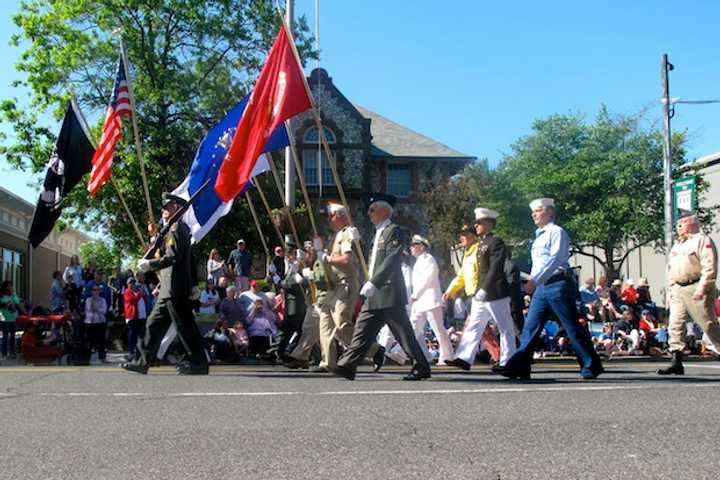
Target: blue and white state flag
(207,209)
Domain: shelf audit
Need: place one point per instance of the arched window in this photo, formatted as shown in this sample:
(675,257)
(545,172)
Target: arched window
(311,149)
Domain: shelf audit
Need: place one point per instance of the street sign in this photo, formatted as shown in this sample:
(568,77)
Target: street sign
(684,195)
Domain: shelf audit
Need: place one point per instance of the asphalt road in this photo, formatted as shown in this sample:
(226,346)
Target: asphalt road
(268,422)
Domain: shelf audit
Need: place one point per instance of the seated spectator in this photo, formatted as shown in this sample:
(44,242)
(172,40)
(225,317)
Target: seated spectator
(261,327)
(231,308)
(591,306)
(623,325)
(615,302)
(643,291)
(248,297)
(629,295)
(240,339)
(219,343)
(647,322)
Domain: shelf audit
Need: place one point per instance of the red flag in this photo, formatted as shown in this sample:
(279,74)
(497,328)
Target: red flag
(279,94)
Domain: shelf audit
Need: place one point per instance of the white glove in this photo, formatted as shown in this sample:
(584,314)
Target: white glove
(317,244)
(144,265)
(275,279)
(298,278)
(353,233)
(368,290)
(307,273)
(480,295)
(271,268)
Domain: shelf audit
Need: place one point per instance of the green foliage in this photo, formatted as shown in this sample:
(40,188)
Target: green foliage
(606,176)
(190,63)
(451,205)
(100,254)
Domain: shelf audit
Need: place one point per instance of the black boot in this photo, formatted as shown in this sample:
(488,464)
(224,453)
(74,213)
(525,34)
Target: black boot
(675,368)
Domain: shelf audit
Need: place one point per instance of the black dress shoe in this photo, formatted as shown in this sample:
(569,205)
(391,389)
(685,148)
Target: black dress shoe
(188,369)
(343,372)
(497,368)
(456,362)
(379,359)
(415,376)
(592,375)
(514,374)
(294,364)
(134,367)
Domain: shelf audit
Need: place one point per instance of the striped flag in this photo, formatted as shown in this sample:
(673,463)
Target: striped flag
(118,107)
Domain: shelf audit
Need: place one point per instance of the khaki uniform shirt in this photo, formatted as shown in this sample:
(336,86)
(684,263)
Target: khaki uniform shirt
(342,243)
(693,259)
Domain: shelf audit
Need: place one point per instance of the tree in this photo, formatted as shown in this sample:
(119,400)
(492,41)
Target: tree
(606,177)
(100,254)
(191,62)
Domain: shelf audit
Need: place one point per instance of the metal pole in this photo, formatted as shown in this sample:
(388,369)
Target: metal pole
(257,225)
(665,67)
(289,166)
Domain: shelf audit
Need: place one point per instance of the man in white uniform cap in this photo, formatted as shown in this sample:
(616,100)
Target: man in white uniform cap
(426,303)
(553,290)
(491,300)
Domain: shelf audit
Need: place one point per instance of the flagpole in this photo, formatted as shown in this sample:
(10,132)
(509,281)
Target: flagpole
(326,147)
(138,146)
(127,210)
(268,209)
(301,177)
(275,175)
(112,179)
(257,225)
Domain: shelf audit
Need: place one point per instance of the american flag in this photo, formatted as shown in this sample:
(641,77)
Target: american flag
(119,107)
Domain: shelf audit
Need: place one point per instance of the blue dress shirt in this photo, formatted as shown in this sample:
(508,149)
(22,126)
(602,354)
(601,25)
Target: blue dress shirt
(550,252)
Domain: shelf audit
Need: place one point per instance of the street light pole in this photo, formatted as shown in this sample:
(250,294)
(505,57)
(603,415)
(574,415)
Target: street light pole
(665,68)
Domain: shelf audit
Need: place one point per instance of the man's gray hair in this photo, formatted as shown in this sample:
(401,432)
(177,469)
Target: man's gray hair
(384,204)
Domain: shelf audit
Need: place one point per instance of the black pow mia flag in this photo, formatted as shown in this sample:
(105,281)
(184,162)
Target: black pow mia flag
(71,160)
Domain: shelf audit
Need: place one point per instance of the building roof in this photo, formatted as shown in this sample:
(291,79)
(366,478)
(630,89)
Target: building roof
(16,202)
(703,162)
(390,139)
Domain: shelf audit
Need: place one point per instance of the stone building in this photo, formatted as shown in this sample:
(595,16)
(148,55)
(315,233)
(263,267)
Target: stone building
(30,269)
(373,154)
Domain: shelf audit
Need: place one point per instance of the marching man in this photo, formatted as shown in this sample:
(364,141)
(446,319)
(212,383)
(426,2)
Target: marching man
(691,271)
(426,303)
(491,296)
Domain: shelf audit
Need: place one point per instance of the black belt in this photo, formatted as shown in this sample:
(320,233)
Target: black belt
(558,277)
(687,283)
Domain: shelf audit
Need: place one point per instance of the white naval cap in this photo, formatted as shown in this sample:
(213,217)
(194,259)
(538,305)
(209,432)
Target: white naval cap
(419,239)
(481,213)
(335,208)
(542,202)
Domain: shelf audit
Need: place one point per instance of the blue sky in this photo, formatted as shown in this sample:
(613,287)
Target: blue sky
(475,74)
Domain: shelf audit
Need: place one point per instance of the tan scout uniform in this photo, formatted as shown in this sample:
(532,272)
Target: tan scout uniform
(337,310)
(692,266)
